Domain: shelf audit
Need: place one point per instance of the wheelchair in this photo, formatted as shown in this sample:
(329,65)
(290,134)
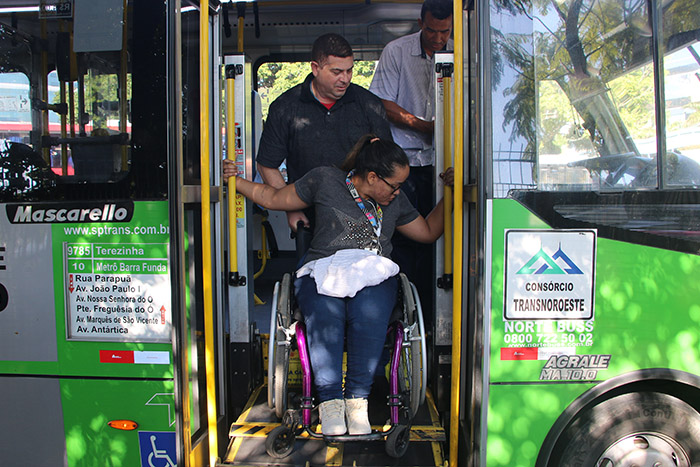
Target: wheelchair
(407,375)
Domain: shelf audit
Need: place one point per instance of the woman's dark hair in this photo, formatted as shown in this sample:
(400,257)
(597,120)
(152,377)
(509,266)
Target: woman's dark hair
(371,154)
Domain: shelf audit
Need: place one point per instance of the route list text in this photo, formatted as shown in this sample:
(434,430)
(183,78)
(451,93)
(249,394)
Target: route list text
(117,292)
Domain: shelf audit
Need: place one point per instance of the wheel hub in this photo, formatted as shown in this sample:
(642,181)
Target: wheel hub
(644,450)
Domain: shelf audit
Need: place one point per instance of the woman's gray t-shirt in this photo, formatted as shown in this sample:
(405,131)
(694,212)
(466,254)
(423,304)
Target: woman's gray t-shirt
(340,223)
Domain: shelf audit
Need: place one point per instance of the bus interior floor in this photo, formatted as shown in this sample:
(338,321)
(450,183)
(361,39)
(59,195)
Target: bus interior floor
(249,432)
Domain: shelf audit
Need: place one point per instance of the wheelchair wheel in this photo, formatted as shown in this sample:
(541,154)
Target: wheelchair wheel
(409,374)
(412,364)
(272,347)
(422,372)
(280,442)
(407,296)
(396,443)
(279,347)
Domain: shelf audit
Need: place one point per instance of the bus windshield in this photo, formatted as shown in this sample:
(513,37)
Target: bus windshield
(68,81)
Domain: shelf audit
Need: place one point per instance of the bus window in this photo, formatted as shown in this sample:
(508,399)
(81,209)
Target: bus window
(597,126)
(595,89)
(682,96)
(82,112)
(15,120)
(682,91)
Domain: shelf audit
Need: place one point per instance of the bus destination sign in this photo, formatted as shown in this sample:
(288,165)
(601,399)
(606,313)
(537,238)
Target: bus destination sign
(117,292)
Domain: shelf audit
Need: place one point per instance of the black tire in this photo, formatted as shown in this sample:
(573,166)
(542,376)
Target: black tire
(284,304)
(658,421)
(409,305)
(281,353)
(271,348)
(411,363)
(396,443)
(280,383)
(280,442)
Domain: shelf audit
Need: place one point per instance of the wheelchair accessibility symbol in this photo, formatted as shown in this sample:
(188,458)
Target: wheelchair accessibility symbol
(157,449)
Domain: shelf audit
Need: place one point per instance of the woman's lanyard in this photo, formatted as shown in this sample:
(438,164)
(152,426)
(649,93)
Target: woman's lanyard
(376,222)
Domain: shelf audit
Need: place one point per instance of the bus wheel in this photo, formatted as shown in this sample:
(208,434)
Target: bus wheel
(644,428)
(280,442)
(396,443)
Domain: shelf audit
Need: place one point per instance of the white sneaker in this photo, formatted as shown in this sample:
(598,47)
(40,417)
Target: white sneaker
(356,414)
(332,414)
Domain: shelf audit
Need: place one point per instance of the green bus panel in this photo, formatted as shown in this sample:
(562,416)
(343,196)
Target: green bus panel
(110,290)
(85,333)
(645,315)
(520,417)
(88,406)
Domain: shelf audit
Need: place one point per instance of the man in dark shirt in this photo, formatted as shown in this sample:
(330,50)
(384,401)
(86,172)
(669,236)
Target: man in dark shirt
(317,122)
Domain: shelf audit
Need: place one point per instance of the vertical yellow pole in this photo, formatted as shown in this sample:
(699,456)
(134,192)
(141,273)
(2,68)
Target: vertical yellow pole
(231,155)
(210,367)
(241,25)
(458,231)
(447,162)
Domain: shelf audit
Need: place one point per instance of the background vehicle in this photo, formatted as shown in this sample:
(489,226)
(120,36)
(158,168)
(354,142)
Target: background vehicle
(569,334)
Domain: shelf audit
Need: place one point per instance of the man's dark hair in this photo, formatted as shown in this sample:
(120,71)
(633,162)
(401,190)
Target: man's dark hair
(440,9)
(330,44)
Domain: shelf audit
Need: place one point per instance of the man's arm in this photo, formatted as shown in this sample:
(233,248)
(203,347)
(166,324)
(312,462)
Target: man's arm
(273,177)
(403,118)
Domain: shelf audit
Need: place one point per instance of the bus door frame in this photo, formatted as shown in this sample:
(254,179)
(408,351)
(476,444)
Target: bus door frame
(239,294)
(194,443)
(442,305)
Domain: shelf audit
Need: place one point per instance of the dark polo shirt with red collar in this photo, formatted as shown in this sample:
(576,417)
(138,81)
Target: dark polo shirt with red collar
(308,135)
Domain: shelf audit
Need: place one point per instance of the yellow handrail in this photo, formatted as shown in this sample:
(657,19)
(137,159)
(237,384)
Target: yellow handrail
(204,140)
(263,251)
(447,162)
(458,231)
(231,155)
(241,25)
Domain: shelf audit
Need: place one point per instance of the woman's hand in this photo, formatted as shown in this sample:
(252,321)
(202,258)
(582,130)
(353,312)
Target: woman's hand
(448,176)
(230,169)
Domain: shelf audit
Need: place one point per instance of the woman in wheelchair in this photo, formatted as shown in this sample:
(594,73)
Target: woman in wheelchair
(347,285)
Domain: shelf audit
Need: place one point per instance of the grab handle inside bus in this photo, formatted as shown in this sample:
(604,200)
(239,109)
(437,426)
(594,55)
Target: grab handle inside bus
(445,282)
(234,278)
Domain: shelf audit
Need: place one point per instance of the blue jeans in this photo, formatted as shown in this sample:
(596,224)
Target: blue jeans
(366,317)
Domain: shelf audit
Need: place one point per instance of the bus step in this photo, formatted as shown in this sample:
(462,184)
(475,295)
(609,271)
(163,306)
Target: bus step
(248,434)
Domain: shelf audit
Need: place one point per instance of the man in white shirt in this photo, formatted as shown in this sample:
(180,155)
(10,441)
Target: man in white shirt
(403,80)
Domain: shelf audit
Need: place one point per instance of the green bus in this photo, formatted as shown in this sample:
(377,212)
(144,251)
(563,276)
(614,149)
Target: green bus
(589,224)
(136,292)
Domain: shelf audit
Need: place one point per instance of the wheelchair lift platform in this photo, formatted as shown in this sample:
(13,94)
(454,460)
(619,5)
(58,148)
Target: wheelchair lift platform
(249,432)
